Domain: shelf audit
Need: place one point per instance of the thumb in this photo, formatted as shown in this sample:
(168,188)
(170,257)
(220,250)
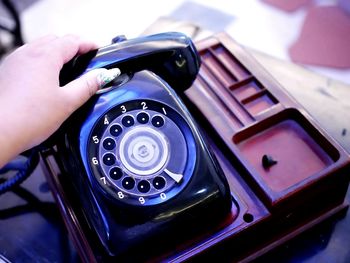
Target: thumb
(81,89)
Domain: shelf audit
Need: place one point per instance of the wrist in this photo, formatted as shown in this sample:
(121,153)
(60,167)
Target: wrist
(10,136)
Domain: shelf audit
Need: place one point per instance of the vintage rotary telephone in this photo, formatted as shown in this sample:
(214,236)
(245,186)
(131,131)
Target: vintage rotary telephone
(141,170)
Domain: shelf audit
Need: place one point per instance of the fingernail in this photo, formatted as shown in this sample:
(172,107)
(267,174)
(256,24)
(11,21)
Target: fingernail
(107,76)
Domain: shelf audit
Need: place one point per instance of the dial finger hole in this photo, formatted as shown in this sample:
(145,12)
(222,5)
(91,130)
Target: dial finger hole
(116,130)
(159,182)
(128,121)
(128,183)
(142,117)
(109,144)
(143,186)
(157,121)
(116,173)
(108,159)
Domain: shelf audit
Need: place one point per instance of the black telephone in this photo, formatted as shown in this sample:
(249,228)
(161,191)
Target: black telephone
(141,170)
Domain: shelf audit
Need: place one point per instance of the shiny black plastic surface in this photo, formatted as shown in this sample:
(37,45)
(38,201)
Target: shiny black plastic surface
(133,223)
(172,56)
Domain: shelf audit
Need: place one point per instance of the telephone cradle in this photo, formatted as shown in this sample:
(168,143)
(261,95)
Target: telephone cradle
(194,152)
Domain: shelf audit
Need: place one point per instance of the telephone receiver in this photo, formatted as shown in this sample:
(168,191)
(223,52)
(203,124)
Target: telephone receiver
(133,156)
(171,56)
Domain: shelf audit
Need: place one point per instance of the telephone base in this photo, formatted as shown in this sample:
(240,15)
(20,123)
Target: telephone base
(248,116)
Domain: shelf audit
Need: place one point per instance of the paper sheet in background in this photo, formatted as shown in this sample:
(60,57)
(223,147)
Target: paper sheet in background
(288,5)
(195,20)
(324,37)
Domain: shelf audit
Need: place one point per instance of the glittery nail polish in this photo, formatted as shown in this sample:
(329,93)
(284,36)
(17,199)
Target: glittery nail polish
(107,76)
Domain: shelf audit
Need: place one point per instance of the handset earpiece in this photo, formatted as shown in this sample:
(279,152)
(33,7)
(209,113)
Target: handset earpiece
(172,56)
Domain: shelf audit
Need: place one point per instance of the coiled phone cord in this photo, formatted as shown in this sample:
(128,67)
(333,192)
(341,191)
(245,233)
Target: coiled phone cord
(24,170)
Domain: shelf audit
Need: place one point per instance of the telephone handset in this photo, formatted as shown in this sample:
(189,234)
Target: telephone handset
(143,173)
(171,56)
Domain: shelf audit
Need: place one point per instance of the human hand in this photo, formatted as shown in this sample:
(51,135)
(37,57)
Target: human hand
(32,103)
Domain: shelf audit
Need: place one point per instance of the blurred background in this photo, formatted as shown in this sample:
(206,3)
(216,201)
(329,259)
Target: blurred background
(314,34)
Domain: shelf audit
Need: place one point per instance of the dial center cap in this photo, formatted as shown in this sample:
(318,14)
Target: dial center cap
(144,151)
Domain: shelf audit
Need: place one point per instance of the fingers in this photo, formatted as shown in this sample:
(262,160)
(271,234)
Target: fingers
(68,46)
(86,46)
(58,49)
(81,89)
(44,40)
(38,43)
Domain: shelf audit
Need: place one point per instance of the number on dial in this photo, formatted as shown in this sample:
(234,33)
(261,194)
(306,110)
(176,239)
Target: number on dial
(144,106)
(94,160)
(142,200)
(95,139)
(123,108)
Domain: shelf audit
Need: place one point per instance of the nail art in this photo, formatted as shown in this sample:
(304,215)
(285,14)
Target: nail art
(107,76)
